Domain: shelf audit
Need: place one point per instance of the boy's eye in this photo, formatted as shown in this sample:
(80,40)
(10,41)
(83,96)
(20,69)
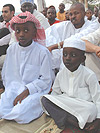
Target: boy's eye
(73,55)
(64,54)
(17,31)
(26,30)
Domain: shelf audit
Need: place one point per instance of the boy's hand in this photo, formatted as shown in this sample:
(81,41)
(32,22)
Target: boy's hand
(21,97)
(93,127)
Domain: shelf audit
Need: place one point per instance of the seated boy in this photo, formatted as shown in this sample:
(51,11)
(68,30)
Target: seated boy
(26,72)
(75,98)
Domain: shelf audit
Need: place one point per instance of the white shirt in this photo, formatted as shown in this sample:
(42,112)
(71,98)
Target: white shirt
(25,67)
(41,18)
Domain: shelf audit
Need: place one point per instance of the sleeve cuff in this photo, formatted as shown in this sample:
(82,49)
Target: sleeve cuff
(31,88)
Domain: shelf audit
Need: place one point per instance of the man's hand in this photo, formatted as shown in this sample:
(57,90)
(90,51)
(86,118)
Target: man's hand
(49,48)
(21,97)
(98,53)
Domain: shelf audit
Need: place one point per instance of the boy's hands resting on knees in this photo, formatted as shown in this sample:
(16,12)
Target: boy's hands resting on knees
(21,97)
(93,126)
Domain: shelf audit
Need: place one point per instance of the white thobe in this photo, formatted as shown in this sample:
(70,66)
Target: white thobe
(94,17)
(40,5)
(41,18)
(92,61)
(25,67)
(78,93)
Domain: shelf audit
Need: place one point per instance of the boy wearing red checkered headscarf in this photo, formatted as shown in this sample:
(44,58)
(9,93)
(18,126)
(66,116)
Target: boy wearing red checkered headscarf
(27,71)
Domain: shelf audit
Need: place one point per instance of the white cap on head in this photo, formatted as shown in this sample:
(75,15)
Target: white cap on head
(75,43)
(24,1)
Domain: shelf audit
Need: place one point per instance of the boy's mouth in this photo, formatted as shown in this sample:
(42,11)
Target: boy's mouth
(67,63)
(21,40)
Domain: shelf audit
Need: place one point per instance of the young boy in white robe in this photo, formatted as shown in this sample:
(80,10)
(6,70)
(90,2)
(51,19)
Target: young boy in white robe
(75,98)
(26,72)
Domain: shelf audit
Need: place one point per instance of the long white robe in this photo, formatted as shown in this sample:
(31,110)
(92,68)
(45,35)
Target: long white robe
(92,61)
(25,67)
(40,5)
(63,30)
(78,93)
(42,19)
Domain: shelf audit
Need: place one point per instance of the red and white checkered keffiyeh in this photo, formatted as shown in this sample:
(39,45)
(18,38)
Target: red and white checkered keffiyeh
(40,35)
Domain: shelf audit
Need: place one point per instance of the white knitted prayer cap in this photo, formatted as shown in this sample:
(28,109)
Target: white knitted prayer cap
(75,43)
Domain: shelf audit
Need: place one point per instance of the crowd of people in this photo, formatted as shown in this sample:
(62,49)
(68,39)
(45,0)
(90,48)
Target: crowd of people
(50,63)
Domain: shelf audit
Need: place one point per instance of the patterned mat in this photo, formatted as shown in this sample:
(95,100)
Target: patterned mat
(49,127)
(72,129)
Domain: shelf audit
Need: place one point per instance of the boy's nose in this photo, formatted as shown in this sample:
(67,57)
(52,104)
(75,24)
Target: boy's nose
(68,57)
(21,33)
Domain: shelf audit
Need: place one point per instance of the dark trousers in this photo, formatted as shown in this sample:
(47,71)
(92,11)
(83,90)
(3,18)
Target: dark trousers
(58,114)
(61,117)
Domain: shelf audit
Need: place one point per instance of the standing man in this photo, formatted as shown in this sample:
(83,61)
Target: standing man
(27,5)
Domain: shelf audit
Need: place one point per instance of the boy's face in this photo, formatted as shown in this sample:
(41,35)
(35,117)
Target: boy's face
(67,15)
(72,58)
(96,12)
(61,7)
(25,33)
(89,14)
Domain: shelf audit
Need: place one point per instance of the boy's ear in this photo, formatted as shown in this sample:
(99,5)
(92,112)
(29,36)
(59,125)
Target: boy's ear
(83,58)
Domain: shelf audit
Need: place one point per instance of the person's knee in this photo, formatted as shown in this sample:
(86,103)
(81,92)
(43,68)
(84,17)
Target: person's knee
(44,101)
(92,110)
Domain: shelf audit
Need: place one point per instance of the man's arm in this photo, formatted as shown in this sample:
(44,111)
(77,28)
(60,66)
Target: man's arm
(92,42)
(55,46)
(90,47)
